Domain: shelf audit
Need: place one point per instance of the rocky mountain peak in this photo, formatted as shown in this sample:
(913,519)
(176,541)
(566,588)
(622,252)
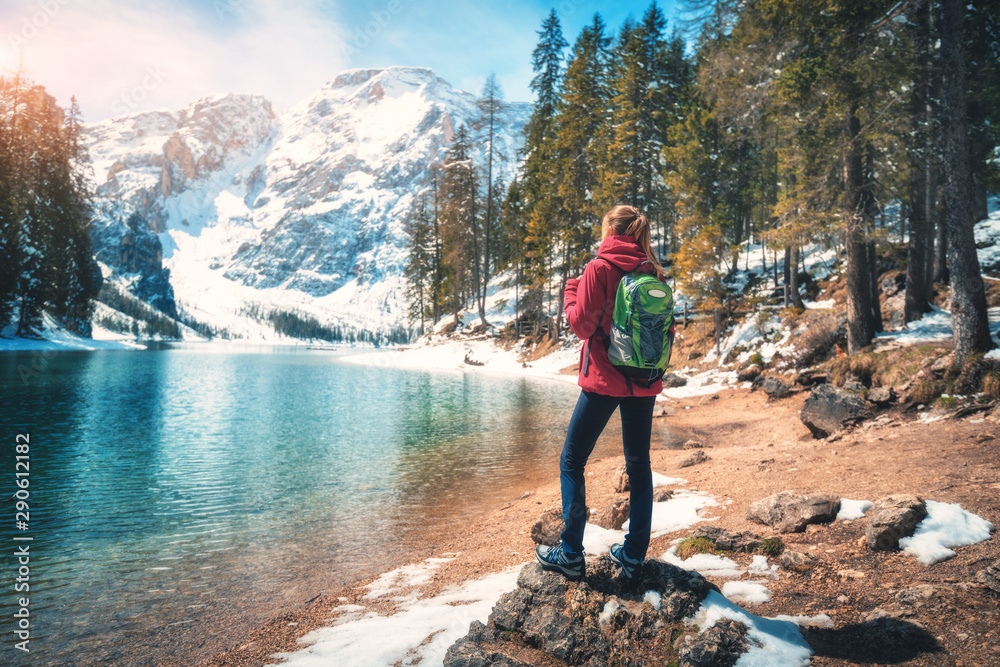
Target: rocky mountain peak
(304,211)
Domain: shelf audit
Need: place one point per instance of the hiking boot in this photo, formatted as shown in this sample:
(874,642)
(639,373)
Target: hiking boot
(630,566)
(555,560)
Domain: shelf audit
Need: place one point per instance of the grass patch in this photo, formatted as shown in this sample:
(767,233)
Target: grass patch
(883,369)
(863,366)
(771,546)
(947,402)
(791,312)
(927,392)
(695,545)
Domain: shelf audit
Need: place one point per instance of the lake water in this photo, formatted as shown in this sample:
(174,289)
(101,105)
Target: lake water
(181,496)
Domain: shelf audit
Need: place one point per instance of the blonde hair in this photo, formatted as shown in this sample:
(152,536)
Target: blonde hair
(624,220)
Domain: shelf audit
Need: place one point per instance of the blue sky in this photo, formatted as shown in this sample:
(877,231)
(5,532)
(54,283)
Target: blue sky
(119,56)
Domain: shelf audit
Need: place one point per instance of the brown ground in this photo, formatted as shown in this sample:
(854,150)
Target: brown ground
(756,448)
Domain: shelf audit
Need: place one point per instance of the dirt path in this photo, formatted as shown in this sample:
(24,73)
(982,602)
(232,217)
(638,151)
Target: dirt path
(755,448)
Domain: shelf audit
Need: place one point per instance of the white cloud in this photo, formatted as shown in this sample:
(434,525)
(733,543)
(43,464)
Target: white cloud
(117,55)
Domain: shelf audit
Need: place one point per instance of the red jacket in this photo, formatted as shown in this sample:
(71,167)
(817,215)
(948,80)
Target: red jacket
(590,299)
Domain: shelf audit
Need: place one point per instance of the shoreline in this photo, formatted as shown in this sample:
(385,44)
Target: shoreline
(755,448)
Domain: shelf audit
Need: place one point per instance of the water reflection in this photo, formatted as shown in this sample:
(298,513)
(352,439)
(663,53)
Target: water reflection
(180,496)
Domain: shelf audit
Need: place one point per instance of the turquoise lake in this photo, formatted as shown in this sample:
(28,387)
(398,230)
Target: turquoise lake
(181,496)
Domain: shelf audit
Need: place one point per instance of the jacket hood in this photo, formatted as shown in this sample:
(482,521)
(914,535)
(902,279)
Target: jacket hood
(624,252)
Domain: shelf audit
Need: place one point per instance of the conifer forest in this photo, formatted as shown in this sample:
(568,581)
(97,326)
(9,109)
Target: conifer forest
(870,126)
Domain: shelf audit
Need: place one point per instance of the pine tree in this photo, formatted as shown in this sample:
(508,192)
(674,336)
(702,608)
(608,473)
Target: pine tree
(981,37)
(420,266)
(492,113)
(839,78)
(580,113)
(970,327)
(703,222)
(538,195)
(513,229)
(10,255)
(45,245)
(921,156)
(459,225)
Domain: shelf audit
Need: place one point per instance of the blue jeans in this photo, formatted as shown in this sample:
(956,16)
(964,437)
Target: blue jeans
(589,419)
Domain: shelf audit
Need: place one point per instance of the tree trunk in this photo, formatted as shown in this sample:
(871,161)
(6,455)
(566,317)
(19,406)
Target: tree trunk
(920,246)
(478,258)
(436,292)
(876,306)
(562,287)
(941,252)
(793,284)
(870,210)
(489,216)
(970,328)
(788,265)
(860,323)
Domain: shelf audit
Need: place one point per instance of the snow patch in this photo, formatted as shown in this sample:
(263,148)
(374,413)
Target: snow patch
(678,513)
(780,641)
(710,565)
(750,592)
(817,621)
(654,598)
(609,609)
(421,630)
(853,509)
(404,577)
(703,384)
(946,525)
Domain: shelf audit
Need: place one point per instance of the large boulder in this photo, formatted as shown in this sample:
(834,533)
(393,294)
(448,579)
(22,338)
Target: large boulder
(829,410)
(600,620)
(789,512)
(892,518)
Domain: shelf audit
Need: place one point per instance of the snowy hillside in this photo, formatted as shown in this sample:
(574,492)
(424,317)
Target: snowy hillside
(260,214)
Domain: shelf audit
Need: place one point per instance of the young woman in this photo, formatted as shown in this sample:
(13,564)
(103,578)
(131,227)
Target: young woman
(590,301)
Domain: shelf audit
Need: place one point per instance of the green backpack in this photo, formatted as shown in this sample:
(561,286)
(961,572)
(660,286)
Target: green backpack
(641,328)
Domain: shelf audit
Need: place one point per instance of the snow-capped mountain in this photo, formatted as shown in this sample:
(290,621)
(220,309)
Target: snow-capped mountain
(259,213)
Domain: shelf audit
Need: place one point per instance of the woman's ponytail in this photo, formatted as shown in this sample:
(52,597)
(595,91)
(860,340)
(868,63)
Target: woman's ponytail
(628,221)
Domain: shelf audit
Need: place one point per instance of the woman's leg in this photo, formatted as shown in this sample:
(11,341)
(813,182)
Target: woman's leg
(589,418)
(637,426)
